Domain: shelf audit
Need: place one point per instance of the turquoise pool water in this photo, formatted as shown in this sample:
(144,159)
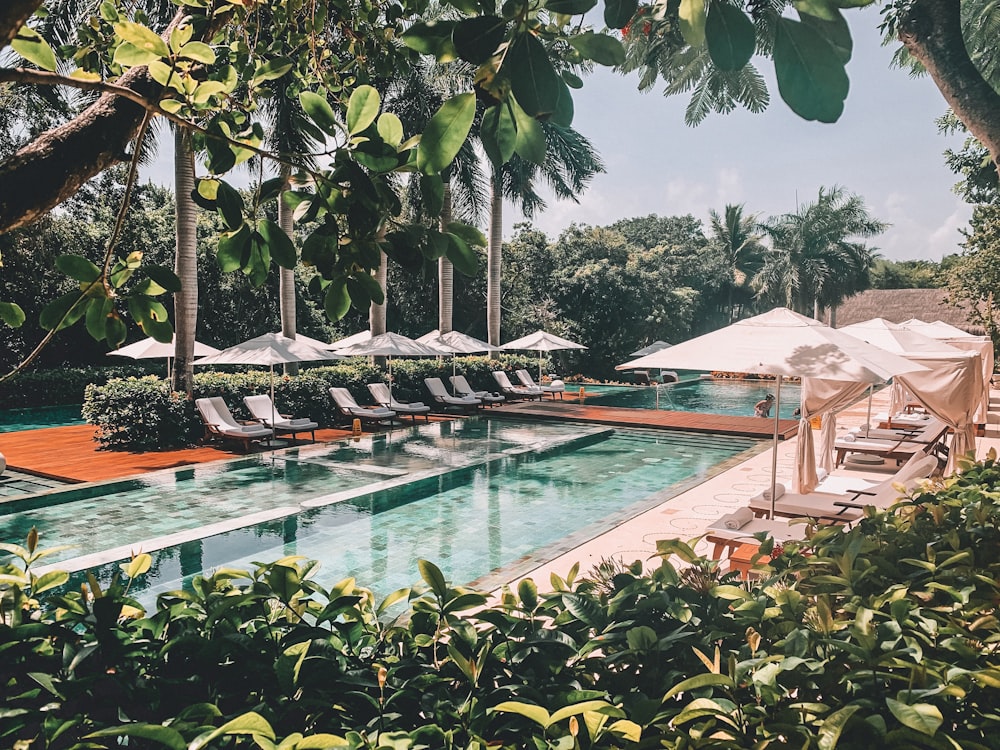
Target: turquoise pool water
(736,398)
(484,509)
(14,420)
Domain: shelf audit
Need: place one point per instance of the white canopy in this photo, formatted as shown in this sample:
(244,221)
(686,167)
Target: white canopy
(936,330)
(355,338)
(267,350)
(456,342)
(388,345)
(895,338)
(656,346)
(541,341)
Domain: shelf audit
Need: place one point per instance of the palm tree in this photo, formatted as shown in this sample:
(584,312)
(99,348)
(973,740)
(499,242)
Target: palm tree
(185,263)
(814,261)
(570,163)
(736,236)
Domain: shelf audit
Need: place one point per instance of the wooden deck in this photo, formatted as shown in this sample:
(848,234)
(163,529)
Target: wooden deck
(672,420)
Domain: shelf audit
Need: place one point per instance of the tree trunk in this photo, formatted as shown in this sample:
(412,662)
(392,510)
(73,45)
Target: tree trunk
(446,271)
(376,313)
(13,17)
(185,264)
(932,32)
(286,276)
(493,260)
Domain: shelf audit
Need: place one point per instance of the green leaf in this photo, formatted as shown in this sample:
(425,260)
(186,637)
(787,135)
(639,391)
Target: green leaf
(469,234)
(372,287)
(197,51)
(572,80)
(271,70)
(432,38)
(641,638)
(271,189)
(145,39)
(115,331)
(433,577)
(432,193)
(836,32)
(281,247)
(925,718)
(833,726)
(445,133)
(68,308)
(570,7)
(167,736)
(601,48)
(337,301)
(79,268)
(692,21)
(534,82)
(137,566)
(810,73)
(129,56)
(578,708)
(730,36)
(318,109)
(617,13)
(476,39)
(234,249)
(97,316)
(249,723)
(536,713)
(49,580)
(823,9)
(498,133)
(527,592)
(530,140)
(230,205)
(586,610)
(164,277)
(698,681)
(11,314)
(321,742)
(390,129)
(462,256)
(362,109)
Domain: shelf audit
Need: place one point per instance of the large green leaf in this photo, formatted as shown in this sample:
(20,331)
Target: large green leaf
(601,48)
(833,726)
(699,681)
(234,249)
(469,234)
(139,36)
(372,288)
(281,247)
(476,39)
(337,301)
(96,317)
(498,133)
(835,31)
(390,128)
(197,51)
(810,73)
(129,56)
(729,34)
(12,314)
(79,268)
(925,718)
(462,256)
(534,82)
(230,205)
(617,13)
(164,277)
(536,713)
(432,38)
(530,140)
(249,723)
(432,193)
(62,312)
(318,109)
(167,736)
(362,108)
(824,9)
(29,44)
(271,70)
(445,133)
(692,21)
(433,577)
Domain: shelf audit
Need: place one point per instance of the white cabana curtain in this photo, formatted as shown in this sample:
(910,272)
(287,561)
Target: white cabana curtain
(984,347)
(950,390)
(820,397)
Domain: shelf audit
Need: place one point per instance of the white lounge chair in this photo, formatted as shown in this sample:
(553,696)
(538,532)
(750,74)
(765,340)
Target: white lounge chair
(262,409)
(441,396)
(380,392)
(510,390)
(849,506)
(889,444)
(462,388)
(741,527)
(556,388)
(350,408)
(220,423)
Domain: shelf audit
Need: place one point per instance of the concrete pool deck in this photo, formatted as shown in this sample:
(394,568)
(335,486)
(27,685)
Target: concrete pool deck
(687,515)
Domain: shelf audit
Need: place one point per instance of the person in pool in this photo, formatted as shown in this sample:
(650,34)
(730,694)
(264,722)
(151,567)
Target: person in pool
(763,407)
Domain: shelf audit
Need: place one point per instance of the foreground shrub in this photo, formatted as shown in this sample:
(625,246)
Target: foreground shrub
(884,635)
(67,384)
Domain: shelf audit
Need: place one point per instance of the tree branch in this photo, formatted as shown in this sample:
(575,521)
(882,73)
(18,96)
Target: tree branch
(932,32)
(13,16)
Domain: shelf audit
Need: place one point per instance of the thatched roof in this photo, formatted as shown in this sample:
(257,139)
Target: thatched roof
(897,305)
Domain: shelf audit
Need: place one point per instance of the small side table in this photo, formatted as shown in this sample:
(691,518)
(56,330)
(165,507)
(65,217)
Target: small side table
(741,557)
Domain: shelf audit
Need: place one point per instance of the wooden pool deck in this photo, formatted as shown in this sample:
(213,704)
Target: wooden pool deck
(70,454)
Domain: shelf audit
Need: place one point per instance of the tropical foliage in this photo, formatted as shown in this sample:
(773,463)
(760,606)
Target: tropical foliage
(881,635)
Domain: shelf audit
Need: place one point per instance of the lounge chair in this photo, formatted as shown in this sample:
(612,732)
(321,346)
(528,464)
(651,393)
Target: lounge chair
(510,390)
(441,396)
(382,395)
(889,444)
(262,409)
(556,388)
(741,527)
(220,423)
(849,506)
(350,408)
(462,388)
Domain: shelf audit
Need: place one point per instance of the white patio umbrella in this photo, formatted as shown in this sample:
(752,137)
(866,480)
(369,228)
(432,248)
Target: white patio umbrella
(656,346)
(355,338)
(389,345)
(541,341)
(937,329)
(455,343)
(268,350)
(782,343)
(150,348)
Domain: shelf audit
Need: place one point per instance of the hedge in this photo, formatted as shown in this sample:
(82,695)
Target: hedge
(65,385)
(143,414)
(883,635)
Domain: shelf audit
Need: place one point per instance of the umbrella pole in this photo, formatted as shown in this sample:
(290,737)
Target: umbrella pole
(868,420)
(273,409)
(539,365)
(454,390)
(774,448)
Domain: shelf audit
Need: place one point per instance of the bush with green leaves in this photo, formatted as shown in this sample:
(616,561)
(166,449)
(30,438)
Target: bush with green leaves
(882,635)
(65,385)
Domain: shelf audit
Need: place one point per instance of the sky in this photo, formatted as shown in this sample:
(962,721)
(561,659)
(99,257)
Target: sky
(885,148)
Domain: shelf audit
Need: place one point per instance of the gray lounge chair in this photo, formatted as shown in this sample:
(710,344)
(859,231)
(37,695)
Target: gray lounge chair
(462,388)
(262,409)
(220,423)
(557,388)
(441,396)
(350,409)
(510,390)
(380,392)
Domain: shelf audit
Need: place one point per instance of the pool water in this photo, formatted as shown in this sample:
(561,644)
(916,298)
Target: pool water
(729,397)
(483,518)
(15,420)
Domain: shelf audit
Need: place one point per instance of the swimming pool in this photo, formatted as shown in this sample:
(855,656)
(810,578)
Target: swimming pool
(527,493)
(731,397)
(15,420)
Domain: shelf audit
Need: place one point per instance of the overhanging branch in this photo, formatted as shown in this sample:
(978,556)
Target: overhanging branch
(13,16)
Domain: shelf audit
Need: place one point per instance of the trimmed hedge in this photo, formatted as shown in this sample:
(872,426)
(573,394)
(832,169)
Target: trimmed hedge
(884,635)
(66,385)
(143,414)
